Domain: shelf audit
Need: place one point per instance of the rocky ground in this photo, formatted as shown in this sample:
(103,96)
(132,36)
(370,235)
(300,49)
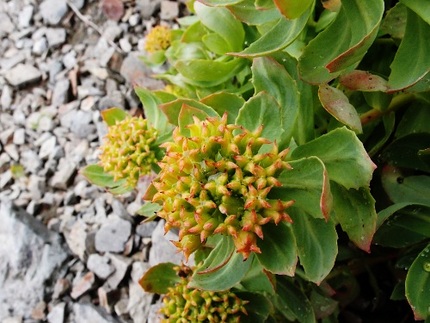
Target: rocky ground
(69,251)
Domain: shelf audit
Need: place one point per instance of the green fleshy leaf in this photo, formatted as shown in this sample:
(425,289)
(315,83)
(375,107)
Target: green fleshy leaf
(394,22)
(246,12)
(363,81)
(224,277)
(113,115)
(389,122)
(258,308)
(323,306)
(293,9)
(215,43)
(149,209)
(337,104)
(405,71)
(207,73)
(187,114)
(173,109)
(220,3)
(278,249)
(96,175)
(415,120)
(420,7)
(406,224)
(219,256)
(308,185)
(355,211)
(418,285)
(411,189)
(404,152)
(261,110)
(316,243)
(270,41)
(156,118)
(293,300)
(343,155)
(271,77)
(344,43)
(159,278)
(224,102)
(258,280)
(221,21)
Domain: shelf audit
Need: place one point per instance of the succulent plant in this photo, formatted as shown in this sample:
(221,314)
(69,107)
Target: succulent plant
(127,152)
(183,304)
(215,181)
(159,38)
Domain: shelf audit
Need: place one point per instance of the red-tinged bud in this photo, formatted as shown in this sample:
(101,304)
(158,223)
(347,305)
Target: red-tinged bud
(246,243)
(188,244)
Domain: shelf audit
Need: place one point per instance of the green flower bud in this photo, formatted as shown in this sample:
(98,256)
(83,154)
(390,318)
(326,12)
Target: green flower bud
(220,184)
(183,304)
(127,150)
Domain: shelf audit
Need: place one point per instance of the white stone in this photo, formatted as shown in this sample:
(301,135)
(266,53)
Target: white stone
(22,74)
(56,315)
(55,36)
(100,265)
(47,147)
(19,136)
(53,11)
(25,16)
(113,235)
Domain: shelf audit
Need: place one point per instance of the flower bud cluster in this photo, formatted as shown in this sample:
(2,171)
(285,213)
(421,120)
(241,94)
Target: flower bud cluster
(215,181)
(127,152)
(183,304)
(159,38)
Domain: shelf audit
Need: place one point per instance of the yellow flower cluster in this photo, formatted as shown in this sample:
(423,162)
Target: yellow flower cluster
(127,151)
(159,38)
(215,181)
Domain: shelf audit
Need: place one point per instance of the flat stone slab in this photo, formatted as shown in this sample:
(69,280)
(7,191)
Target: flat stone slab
(22,74)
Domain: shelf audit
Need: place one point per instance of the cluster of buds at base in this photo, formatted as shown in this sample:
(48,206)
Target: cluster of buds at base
(159,38)
(216,181)
(127,152)
(183,304)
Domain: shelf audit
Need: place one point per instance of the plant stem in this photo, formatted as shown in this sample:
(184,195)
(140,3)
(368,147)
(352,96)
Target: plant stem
(398,101)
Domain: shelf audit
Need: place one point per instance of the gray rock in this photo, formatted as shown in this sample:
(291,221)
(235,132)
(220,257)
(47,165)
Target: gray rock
(25,16)
(163,249)
(39,46)
(86,312)
(169,10)
(53,11)
(125,45)
(111,30)
(55,36)
(81,125)
(6,25)
(60,94)
(154,315)
(137,73)
(148,7)
(100,265)
(75,237)
(138,269)
(12,151)
(36,186)
(121,264)
(19,136)
(69,60)
(23,74)
(113,235)
(139,302)
(8,63)
(47,147)
(56,315)
(31,161)
(30,256)
(145,230)
(82,285)
(6,97)
(63,175)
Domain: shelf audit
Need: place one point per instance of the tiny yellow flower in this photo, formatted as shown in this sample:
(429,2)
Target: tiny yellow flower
(159,38)
(127,152)
(183,304)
